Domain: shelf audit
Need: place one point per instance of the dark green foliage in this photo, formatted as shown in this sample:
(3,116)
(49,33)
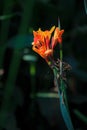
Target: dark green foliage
(17,110)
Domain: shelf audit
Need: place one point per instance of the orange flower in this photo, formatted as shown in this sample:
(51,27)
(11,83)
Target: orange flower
(57,38)
(43,45)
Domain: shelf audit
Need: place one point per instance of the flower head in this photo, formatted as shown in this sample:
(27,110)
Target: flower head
(43,44)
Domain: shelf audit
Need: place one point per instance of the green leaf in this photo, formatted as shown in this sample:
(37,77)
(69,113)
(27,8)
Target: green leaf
(4,17)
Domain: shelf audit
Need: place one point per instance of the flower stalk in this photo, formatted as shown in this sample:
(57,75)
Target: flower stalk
(44,44)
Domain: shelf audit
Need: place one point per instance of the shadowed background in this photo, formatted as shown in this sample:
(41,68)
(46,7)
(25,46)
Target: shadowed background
(28,97)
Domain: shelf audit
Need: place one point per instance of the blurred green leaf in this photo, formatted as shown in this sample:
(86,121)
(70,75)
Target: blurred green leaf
(85,5)
(4,17)
(45,95)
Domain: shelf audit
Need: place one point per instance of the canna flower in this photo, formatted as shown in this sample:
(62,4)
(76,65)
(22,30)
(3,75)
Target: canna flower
(43,44)
(57,38)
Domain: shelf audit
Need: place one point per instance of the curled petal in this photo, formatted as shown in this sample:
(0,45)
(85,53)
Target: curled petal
(57,38)
(41,50)
(58,34)
(49,53)
(52,29)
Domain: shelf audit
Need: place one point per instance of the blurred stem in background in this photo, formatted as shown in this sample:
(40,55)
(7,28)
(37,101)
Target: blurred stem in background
(5,23)
(80,116)
(15,62)
(85,5)
(32,70)
(31,59)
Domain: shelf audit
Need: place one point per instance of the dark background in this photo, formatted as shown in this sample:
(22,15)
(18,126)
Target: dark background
(22,79)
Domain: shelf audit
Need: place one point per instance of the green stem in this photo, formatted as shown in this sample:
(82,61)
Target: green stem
(62,84)
(55,71)
(61,58)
